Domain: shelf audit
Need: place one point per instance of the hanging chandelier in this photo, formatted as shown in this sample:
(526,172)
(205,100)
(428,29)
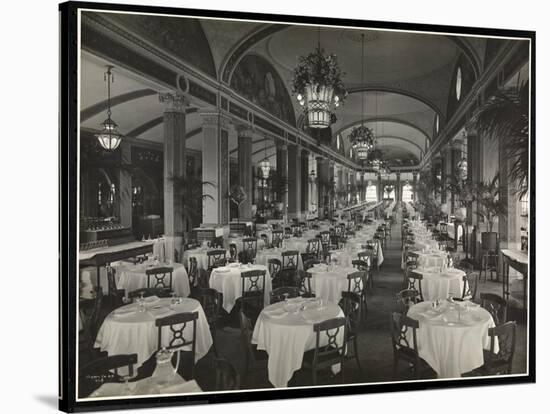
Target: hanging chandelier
(265,165)
(318,86)
(361,137)
(109,138)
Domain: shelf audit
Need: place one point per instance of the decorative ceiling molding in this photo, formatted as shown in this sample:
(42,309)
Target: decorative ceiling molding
(383,119)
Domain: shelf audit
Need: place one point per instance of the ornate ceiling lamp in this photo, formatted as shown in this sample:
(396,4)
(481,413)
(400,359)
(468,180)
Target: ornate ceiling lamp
(361,137)
(318,86)
(109,138)
(265,165)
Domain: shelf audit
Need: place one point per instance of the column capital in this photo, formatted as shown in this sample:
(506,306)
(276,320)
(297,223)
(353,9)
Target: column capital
(248,131)
(215,119)
(173,102)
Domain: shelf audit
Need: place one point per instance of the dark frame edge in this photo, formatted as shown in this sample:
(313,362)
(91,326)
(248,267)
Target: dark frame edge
(67,142)
(67,232)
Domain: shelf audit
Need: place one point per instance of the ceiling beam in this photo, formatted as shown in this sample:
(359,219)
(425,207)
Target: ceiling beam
(99,107)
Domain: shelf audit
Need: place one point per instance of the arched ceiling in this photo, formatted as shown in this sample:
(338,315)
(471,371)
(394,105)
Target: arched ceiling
(406,80)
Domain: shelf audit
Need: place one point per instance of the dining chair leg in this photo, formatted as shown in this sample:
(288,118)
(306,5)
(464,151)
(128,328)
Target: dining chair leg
(356,350)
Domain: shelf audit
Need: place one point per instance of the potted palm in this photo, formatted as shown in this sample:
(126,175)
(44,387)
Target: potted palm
(505,116)
(490,208)
(192,193)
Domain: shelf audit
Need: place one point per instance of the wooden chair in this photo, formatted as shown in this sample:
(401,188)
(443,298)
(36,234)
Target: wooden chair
(372,245)
(405,299)
(404,343)
(364,266)
(252,354)
(160,277)
(325,242)
(303,284)
(115,295)
(496,305)
(308,264)
(250,247)
(276,238)
(91,317)
(193,273)
(265,239)
(324,356)
(282,293)
(227,377)
(105,370)
(211,301)
(289,266)
(176,341)
(314,247)
(500,363)
(274,265)
(252,292)
(357,283)
(469,290)
(216,258)
(351,305)
(233,252)
(414,282)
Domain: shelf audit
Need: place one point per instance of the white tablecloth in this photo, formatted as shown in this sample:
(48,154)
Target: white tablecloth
(227,280)
(147,386)
(136,332)
(131,277)
(451,346)
(438,285)
(329,284)
(431,259)
(286,336)
(360,240)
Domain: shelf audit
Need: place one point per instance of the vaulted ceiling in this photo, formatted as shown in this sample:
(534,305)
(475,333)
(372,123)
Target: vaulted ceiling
(407,80)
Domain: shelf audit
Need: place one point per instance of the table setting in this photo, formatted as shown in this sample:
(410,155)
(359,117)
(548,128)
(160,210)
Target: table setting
(131,328)
(440,283)
(451,335)
(285,331)
(130,276)
(227,280)
(147,386)
(329,281)
(262,256)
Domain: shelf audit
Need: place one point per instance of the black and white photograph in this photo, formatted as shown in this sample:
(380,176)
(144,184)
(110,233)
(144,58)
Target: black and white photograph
(275,206)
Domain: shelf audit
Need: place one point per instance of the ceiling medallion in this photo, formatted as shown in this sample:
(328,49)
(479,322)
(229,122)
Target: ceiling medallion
(109,137)
(317,84)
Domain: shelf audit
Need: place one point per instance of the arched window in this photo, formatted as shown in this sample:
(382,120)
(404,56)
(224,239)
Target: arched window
(371,194)
(407,193)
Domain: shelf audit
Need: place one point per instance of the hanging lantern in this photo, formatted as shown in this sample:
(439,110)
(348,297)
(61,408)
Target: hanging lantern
(109,138)
(318,86)
(362,141)
(265,167)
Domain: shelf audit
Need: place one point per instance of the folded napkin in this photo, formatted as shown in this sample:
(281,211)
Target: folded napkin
(276,313)
(151,299)
(160,312)
(186,387)
(432,315)
(125,310)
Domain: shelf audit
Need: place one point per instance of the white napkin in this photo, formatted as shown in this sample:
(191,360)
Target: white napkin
(125,310)
(151,299)
(276,313)
(157,313)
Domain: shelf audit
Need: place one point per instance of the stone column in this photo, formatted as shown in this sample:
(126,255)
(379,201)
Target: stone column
(398,187)
(295,187)
(125,186)
(415,185)
(174,166)
(379,188)
(245,137)
(304,179)
(216,128)
(282,172)
(321,180)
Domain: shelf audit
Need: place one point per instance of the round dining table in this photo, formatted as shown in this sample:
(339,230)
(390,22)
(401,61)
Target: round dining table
(437,284)
(127,330)
(285,332)
(451,337)
(328,282)
(432,258)
(227,280)
(131,276)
